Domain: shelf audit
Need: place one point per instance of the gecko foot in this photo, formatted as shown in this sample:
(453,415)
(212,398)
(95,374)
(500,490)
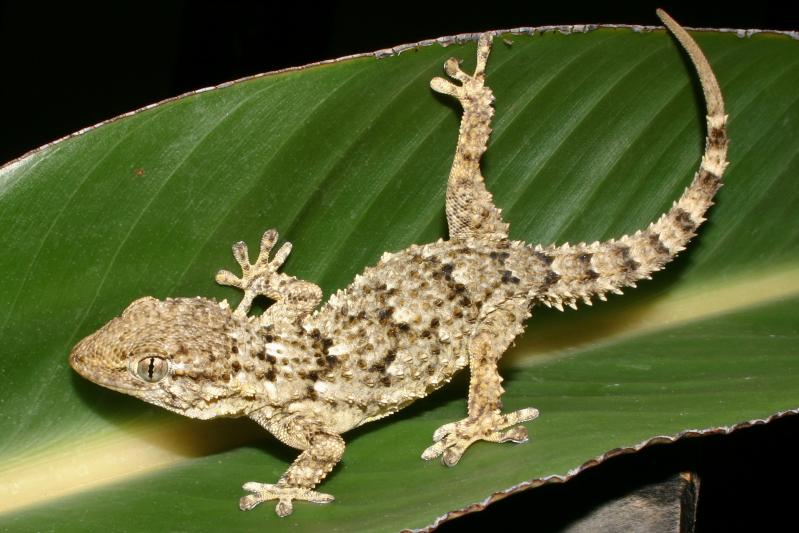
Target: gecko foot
(255,278)
(451,440)
(262,492)
(471,84)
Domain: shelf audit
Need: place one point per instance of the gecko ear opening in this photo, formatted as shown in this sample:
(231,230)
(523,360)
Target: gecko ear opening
(152,368)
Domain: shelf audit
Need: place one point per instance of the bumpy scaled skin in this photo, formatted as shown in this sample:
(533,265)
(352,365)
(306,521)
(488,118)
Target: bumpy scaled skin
(400,330)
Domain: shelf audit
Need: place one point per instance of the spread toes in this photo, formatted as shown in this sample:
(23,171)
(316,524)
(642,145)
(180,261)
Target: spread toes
(262,492)
(451,440)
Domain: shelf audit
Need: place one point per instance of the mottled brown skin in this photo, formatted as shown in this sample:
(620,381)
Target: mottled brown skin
(400,330)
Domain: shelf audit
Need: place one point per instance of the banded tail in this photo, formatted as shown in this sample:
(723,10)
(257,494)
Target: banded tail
(578,272)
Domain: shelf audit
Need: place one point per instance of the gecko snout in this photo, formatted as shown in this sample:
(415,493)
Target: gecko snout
(92,359)
(80,356)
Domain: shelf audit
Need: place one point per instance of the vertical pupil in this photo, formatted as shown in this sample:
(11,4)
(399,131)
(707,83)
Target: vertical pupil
(151,368)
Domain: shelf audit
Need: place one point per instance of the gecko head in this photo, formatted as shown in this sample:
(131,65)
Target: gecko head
(173,353)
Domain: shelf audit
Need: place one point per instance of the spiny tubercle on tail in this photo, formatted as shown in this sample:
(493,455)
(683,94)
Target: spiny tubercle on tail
(579,272)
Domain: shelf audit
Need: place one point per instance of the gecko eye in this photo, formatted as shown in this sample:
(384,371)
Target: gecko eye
(152,368)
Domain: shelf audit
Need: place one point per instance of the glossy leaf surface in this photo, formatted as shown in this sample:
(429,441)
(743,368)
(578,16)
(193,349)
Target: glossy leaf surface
(595,135)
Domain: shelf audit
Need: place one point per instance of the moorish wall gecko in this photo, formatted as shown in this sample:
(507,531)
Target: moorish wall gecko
(400,330)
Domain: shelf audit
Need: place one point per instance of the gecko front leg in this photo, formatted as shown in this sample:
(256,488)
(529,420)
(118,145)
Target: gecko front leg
(294,297)
(322,450)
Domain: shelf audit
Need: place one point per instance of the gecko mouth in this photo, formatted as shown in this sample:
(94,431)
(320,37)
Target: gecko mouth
(100,376)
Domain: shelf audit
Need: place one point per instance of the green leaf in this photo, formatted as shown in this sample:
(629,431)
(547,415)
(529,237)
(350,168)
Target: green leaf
(596,133)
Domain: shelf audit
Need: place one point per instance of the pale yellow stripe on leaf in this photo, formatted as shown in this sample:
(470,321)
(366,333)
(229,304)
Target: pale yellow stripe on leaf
(112,455)
(689,303)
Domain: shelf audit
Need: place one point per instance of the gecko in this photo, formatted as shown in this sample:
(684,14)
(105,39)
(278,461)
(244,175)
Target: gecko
(308,373)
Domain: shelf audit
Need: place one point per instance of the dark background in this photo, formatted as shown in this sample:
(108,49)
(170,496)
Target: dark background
(68,65)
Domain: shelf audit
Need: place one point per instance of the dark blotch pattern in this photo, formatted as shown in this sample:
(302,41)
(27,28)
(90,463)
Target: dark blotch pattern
(684,220)
(546,259)
(707,182)
(628,263)
(550,279)
(717,136)
(657,244)
(384,314)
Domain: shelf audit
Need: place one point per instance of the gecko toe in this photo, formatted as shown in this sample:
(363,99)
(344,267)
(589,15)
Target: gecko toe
(442,432)
(516,434)
(249,502)
(431,452)
(284,507)
(440,85)
(451,456)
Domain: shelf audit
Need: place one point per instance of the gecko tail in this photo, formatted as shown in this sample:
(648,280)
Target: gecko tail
(582,271)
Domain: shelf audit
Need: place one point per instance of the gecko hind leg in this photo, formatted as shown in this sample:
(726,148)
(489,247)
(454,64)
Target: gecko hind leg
(470,207)
(485,421)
